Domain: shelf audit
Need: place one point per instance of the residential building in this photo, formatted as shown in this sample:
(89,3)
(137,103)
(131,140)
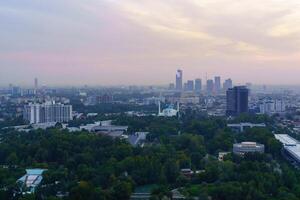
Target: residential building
(272,106)
(47,112)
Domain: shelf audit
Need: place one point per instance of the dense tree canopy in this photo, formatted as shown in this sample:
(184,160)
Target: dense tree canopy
(87,166)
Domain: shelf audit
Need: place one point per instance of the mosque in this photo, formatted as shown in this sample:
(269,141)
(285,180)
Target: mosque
(169,111)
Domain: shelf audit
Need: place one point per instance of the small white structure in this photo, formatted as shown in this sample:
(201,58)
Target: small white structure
(169,111)
(222,155)
(92,115)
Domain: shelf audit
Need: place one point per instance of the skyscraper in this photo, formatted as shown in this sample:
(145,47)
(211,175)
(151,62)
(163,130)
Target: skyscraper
(36,84)
(227,84)
(198,85)
(171,86)
(190,85)
(237,100)
(209,87)
(179,78)
(217,84)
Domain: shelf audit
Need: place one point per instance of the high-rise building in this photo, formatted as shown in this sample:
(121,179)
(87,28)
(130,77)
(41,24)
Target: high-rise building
(210,87)
(47,112)
(198,85)
(179,79)
(171,86)
(217,84)
(36,84)
(249,85)
(16,91)
(237,100)
(190,85)
(227,84)
(185,87)
(272,106)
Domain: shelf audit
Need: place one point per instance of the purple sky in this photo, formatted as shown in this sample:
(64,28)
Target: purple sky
(113,42)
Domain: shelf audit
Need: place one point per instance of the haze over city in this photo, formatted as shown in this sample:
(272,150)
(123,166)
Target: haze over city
(149,100)
(110,42)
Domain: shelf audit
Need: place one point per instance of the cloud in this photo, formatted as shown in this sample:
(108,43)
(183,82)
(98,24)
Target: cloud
(130,36)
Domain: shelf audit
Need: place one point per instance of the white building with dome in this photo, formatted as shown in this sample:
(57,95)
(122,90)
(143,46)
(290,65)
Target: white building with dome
(169,111)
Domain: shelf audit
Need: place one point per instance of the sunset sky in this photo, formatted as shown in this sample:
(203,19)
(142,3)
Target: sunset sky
(113,42)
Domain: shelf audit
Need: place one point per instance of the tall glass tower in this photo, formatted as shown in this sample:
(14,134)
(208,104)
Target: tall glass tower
(179,77)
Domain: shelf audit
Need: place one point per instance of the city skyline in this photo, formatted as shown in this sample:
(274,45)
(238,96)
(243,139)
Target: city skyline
(131,42)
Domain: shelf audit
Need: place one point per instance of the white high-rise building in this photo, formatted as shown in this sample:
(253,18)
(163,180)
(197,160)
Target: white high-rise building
(47,112)
(272,107)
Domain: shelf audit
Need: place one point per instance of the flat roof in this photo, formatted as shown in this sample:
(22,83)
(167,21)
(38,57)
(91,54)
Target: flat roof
(294,151)
(291,145)
(246,124)
(32,178)
(286,139)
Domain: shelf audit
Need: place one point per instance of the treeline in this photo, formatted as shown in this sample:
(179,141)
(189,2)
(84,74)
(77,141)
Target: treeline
(87,166)
(94,163)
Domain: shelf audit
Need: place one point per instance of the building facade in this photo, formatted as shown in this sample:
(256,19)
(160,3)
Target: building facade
(227,84)
(237,100)
(179,80)
(210,87)
(190,85)
(198,85)
(272,107)
(47,112)
(248,147)
(217,84)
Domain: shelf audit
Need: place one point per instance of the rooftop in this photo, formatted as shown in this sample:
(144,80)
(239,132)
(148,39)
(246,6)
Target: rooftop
(32,179)
(286,139)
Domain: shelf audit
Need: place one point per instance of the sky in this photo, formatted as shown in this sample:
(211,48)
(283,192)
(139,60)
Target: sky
(116,42)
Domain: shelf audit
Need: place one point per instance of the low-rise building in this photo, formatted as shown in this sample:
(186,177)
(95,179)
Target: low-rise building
(291,147)
(31,180)
(137,138)
(248,147)
(242,126)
